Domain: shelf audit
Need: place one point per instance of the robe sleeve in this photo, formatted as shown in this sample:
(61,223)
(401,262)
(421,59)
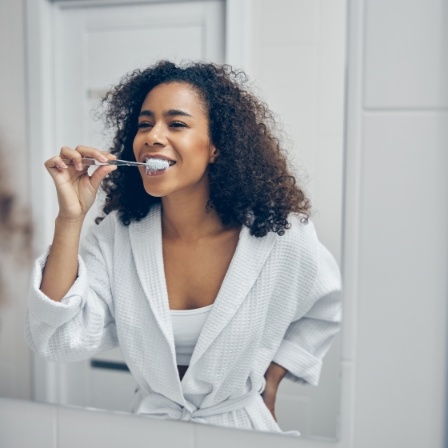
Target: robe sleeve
(82,323)
(309,335)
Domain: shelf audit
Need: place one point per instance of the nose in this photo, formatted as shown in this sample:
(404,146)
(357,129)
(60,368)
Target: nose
(155,137)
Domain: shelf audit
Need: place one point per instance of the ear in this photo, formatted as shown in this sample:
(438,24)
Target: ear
(214,153)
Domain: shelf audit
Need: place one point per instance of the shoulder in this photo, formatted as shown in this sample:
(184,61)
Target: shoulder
(106,233)
(112,222)
(108,225)
(301,248)
(300,237)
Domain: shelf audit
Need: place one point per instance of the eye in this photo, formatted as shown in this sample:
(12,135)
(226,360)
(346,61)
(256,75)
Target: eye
(178,124)
(144,125)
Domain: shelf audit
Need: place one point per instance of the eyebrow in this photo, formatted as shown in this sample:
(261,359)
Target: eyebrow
(168,113)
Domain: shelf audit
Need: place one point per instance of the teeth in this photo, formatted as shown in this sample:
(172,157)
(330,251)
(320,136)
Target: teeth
(157,164)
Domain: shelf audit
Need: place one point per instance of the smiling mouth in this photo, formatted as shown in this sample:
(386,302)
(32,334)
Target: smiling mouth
(155,165)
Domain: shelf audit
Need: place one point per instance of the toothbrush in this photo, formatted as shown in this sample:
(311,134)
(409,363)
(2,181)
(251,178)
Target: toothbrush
(151,165)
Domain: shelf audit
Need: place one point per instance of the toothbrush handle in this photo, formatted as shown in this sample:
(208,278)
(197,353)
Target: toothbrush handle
(86,161)
(89,161)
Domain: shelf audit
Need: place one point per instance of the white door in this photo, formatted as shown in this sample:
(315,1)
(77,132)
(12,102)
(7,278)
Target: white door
(94,48)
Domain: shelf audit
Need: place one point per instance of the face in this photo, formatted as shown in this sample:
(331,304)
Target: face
(173,125)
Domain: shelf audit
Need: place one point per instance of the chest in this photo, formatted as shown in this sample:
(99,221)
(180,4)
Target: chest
(195,271)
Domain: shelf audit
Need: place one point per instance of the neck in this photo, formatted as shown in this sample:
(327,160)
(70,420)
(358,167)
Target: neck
(189,219)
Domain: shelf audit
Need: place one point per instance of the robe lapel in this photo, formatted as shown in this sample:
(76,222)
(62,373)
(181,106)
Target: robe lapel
(250,255)
(146,242)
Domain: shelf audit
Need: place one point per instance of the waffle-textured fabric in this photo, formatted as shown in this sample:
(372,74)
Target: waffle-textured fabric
(279,301)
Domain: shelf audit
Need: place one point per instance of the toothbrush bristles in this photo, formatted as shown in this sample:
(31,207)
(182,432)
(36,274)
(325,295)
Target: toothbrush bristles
(157,164)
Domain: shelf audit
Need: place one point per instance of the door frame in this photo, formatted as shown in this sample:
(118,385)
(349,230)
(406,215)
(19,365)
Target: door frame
(48,378)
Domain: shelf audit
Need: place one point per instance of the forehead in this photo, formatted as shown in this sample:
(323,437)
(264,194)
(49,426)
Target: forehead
(174,95)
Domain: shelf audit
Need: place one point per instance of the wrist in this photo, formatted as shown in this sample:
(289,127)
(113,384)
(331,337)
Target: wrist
(275,373)
(61,221)
(68,226)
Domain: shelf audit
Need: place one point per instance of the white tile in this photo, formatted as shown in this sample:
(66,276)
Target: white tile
(93,428)
(406,54)
(25,424)
(401,306)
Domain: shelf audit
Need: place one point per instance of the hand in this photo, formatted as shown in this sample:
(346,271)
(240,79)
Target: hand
(273,376)
(77,190)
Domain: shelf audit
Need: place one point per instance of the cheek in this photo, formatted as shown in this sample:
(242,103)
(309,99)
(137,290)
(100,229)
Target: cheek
(201,147)
(200,157)
(137,145)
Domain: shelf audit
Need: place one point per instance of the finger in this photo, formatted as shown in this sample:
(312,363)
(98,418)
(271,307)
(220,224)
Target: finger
(72,154)
(89,151)
(99,174)
(109,155)
(55,163)
(76,155)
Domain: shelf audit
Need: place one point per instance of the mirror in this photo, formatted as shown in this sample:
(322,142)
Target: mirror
(295,56)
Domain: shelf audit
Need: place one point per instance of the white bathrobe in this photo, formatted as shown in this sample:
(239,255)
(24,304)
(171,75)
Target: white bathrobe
(279,301)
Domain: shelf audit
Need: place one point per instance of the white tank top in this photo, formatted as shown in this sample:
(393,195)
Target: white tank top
(187,326)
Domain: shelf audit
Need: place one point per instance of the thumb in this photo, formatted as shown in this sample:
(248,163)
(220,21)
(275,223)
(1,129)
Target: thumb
(99,174)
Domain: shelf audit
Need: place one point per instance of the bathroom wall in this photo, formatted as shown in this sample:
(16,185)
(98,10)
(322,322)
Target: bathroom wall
(398,118)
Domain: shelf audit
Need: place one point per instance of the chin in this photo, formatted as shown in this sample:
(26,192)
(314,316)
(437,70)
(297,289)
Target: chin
(154,194)
(154,190)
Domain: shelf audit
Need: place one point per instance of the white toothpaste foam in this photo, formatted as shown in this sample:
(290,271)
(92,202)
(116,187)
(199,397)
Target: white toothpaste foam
(156,165)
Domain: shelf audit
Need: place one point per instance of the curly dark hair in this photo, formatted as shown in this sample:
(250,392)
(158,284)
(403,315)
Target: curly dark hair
(250,182)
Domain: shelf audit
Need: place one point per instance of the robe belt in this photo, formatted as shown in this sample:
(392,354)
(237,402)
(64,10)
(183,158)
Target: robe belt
(158,405)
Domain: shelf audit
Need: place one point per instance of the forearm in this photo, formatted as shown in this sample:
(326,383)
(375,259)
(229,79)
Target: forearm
(61,268)
(274,375)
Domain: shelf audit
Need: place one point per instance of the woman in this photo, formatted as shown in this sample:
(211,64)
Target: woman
(207,274)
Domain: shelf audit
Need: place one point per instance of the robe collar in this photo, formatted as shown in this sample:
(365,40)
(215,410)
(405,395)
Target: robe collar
(249,257)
